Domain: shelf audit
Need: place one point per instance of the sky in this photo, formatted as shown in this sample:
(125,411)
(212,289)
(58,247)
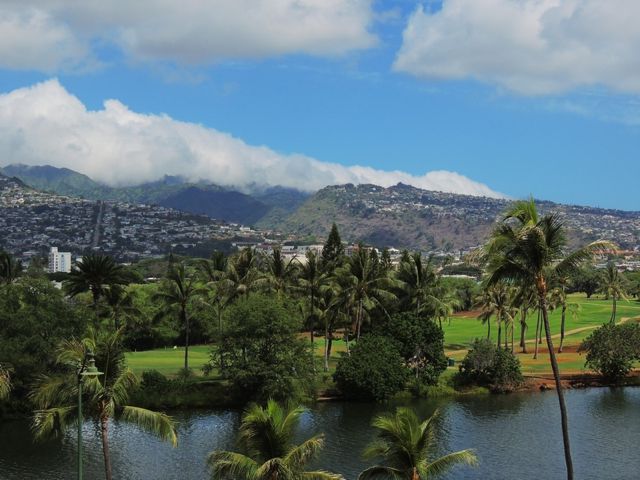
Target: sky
(484,97)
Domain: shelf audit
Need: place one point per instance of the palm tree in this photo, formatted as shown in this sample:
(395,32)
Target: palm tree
(105,397)
(363,286)
(214,272)
(527,249)
(266,437)
(497,301)
(558,299)
(10,269)
(312,278)
(121,303)
(242,274)
(280,272)
(177,293)
(418,279)
(406,446)
(614,287)
(94,273)
(525,299)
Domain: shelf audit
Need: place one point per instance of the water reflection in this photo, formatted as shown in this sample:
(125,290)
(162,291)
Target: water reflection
(515,436)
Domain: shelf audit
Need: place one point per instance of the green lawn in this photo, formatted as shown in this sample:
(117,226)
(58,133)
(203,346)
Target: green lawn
(459,334)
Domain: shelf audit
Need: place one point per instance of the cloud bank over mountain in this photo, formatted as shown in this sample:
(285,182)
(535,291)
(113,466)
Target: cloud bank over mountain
(59,35)
(531,47)
(45,124)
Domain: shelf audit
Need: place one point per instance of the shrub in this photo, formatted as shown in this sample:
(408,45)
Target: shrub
(375,370)
(153,378)
(491,366)
(612,349)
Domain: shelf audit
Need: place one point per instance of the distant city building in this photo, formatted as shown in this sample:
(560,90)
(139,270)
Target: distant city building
(59,261)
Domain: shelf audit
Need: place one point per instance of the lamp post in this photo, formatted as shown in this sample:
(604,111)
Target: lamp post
(87,369)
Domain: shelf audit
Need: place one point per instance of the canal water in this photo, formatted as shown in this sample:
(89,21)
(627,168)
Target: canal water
(515,436)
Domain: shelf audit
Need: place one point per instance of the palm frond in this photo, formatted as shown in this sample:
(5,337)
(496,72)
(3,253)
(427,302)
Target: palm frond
(51,422)
(445,463)
(156,423)
(381,473)
(231,466)
(301,454)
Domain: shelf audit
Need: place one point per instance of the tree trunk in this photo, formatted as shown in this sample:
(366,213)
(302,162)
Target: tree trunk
(556,376)
(185,319)
(613,311)
(359,319)
(326,348)
(104,434)
(312,316)
(535,353)
(499,333)
(564,314)
(489,329)
(220,340)
(346,338)
(414,474)
(523,330)
(513,327)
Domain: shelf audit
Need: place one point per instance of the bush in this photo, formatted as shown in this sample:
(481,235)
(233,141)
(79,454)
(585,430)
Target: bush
(612,349)
(491,366)
(375,370)
(153,378)
(420,342)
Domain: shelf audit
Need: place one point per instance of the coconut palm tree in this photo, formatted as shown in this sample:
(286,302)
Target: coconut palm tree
(94,273)
(497,302)
(266,438)
(280,272)
(614,286)
(526,249)
(312,278)
(177,294)
(558,299)
(525,299)
(406,446)
(418,280)
(121,304)
(363,286)
(105,397)
(243,274)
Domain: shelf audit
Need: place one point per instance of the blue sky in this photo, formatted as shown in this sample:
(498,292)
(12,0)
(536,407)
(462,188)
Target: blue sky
(391,85)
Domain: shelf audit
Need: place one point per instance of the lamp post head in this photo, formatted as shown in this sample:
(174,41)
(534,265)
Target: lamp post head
(90,370)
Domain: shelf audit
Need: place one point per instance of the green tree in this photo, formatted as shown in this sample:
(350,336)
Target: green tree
(312,279)
(417,279)
(420,342)
(262,354)
(94,273)
(497,302)
(266,436)
(363,286)
(488,365)
(10,269)
(243,275)
(587,280)
(614,286)
(280,272)
(120,303)
(407,448)
(106,396)
(525,249)
(177,294)
(374,370)
(333,250)
(612,349)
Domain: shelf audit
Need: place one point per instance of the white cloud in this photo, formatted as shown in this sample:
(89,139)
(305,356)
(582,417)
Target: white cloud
(45,124)
(58,34)
(527,46)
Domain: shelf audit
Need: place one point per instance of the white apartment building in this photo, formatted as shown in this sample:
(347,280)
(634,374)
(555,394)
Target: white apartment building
(59,261)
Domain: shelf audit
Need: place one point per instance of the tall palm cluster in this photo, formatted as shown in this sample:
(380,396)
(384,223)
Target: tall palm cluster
(527,264)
